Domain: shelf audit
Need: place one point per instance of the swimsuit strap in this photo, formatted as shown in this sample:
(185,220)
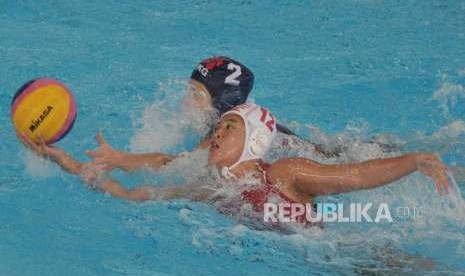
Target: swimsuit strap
(263,168)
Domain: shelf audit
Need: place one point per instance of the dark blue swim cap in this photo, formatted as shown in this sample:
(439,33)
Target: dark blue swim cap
(228,81)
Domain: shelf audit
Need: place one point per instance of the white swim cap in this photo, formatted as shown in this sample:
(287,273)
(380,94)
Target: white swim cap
(260,130)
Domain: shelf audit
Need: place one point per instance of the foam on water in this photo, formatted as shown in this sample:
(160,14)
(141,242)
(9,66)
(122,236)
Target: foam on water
(383,247)
(399,246)
(38,167)
(386,242)
(448,95)
(439,215)
(448,139)
(334,62)
(166,122)
(461,72)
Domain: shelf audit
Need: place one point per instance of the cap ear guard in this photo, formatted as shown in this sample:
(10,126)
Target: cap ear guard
(259,142)
(260,130)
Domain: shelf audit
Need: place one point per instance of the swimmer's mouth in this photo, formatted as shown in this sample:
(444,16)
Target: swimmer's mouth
(214,145)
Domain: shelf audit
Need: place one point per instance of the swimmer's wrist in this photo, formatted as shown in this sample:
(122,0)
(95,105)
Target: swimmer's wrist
(418,159)
(120,159)
(120,155)
(422,158)
(124,160)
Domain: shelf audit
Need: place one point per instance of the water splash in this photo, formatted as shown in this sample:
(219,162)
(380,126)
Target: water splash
(436,216)
(461,72)
(448,95)
(166,122)
(38,167)
(376,249)
(444,140)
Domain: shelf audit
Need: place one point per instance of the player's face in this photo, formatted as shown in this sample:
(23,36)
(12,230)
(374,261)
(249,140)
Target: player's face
(227,141)
(197,96)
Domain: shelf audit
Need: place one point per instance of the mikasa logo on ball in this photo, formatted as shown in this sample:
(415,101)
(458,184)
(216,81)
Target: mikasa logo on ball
(36,123)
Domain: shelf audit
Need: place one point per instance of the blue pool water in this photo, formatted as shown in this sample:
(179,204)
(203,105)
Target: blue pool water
(338,72)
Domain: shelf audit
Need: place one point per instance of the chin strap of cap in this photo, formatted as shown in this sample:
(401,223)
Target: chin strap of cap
(226,173)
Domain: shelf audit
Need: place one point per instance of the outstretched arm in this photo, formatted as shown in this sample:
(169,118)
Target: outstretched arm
(111,158)
(144,193)
(89,173)
(114,188)
(317,179)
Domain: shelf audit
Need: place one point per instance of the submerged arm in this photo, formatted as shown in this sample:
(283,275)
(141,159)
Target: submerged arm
(115,189)
(144,193)
(90,174)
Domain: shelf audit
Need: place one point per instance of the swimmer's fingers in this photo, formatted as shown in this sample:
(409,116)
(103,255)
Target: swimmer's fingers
(103,149)
(439,176)
(100,153)
(445,181)
(101,141)
(439,186)
(23,139)
(30,144)
(431,165)
(42,143)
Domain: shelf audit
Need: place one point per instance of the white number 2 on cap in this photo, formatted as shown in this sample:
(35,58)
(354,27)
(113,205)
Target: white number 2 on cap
(231,79)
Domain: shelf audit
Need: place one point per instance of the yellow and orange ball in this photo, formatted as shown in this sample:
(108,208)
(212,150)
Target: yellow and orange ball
(43,107)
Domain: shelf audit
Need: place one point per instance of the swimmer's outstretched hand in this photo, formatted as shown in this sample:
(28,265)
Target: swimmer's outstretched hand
(105,156)
(430,165)
(40,148)
(57,155)
(109,158)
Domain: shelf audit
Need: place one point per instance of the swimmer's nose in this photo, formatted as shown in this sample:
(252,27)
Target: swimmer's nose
(218,133)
